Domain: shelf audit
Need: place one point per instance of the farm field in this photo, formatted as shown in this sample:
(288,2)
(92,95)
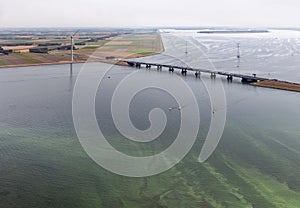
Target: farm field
(87,48)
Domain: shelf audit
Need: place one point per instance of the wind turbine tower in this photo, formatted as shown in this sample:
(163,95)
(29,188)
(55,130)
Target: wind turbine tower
(186,47)
(238,51)
(238,55)
(72,46)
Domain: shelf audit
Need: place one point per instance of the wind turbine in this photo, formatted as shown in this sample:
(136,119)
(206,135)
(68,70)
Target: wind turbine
(238,51)
(238,55)
(186,47)
(72,45)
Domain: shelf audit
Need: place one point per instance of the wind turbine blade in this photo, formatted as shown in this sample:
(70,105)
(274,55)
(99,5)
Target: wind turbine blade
(76,32)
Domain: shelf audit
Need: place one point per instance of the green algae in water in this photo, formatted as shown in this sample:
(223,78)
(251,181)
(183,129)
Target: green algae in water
(43,171)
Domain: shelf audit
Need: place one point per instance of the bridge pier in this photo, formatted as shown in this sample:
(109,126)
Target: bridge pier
(213,75)
(148,66)
(171,69)
(159,67)
(183,72)
(138,65)
(229,78)
(197,74)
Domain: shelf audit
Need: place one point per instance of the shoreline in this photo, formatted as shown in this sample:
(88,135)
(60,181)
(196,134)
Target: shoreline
(279,85)
(41,64)
(116,62)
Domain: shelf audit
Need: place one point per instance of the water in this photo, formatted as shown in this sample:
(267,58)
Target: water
(256,163)
(271,55)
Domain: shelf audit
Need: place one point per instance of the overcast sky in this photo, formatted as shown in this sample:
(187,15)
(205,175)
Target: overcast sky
(120,13)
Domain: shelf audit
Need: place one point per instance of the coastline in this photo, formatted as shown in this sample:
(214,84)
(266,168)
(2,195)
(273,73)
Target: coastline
(116,62)
(280,85)
(41,64)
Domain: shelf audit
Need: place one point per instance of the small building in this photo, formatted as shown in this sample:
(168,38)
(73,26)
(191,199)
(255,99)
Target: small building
(66,47)
(5,52)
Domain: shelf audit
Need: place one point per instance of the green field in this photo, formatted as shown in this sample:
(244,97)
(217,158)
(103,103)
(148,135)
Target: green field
(122,46)
(144,44)
(27,58)
(2,63)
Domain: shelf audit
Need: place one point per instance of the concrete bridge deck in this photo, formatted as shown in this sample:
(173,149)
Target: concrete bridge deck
(254,80)
(184,70)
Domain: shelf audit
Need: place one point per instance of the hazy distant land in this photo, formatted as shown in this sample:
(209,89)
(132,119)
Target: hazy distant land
(232,31)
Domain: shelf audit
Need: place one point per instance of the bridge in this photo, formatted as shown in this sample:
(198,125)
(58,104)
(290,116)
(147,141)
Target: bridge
(244,78)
